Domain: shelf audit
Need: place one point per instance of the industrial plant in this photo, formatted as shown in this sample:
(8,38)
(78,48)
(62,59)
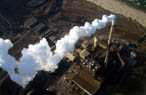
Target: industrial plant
(70,47)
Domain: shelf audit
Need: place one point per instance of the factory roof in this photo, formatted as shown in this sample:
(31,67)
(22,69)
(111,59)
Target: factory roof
(48,33)
(103,44)
(85,43)
(39,27)
(84,53)
(30,22)
(86,83)
(52,38)
(70,56)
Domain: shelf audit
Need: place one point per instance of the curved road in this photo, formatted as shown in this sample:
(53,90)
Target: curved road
(3,18)
(121,8)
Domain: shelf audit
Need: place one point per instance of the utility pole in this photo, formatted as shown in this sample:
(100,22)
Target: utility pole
(109,44)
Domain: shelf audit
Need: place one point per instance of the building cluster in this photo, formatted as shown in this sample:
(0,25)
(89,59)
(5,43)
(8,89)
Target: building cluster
(41,29)
(88,60)
(83,76)
(34,25)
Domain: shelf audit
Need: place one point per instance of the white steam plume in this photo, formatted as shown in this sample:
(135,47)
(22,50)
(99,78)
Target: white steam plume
(7,62)
(39,56)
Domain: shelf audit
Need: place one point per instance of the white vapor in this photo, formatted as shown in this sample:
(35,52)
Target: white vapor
(7,62)
(40,57)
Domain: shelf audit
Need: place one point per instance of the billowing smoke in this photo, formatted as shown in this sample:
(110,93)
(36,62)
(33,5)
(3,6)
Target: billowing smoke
(40,57)
(7,62)
(37,57)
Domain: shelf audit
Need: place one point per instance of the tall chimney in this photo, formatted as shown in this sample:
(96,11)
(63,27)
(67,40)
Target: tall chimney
(95,42)
(109,44)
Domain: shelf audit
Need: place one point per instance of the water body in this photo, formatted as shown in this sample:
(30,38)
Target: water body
(139,4)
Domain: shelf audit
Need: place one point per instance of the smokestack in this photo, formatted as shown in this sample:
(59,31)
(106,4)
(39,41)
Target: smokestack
(95,42)
(109,44)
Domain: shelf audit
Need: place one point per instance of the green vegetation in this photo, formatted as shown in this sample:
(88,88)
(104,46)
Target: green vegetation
(140,4)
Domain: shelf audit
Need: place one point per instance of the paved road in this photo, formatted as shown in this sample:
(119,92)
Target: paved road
(121,8)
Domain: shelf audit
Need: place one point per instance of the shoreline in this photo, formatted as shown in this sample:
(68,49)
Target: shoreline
(118,7)
(130,4)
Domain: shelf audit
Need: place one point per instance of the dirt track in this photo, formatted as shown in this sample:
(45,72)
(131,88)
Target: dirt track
(121,8)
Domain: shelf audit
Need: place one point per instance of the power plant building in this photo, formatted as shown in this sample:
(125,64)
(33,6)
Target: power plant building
(84,53)
(70,56)
(85,43)
(102,44)
(30,22)
(88,84)
(38,27)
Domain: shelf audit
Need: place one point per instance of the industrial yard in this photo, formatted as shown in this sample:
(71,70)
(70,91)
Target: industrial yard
(99,65)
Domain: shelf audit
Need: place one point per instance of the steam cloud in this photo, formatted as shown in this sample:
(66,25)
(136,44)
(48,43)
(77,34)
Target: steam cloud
(40,57)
